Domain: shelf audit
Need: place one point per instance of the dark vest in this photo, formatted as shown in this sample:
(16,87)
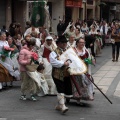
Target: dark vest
(59,73)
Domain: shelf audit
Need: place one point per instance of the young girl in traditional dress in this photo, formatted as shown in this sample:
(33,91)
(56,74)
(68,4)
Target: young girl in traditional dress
(29,85)
(38,76)
(44,86)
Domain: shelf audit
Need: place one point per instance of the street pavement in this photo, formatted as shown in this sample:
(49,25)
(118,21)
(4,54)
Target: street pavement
(106,75)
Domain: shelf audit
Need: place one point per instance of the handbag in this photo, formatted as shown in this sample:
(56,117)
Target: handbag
(112,41)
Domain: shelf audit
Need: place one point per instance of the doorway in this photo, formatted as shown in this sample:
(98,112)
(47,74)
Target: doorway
(68,15)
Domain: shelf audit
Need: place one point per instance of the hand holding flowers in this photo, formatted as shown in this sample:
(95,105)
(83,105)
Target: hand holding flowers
(5,52)
(34,58)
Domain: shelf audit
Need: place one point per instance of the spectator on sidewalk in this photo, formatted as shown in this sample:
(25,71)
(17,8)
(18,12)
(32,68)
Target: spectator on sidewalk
(104,31)
(60,28)
(116,42)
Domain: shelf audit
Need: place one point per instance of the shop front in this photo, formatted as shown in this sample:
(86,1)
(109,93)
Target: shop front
(73,10)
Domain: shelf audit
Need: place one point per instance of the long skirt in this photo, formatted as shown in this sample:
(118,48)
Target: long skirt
(48,77)
(85,87)
(41,82)
(9,65)
(4,75)
(97,47)
(28,85)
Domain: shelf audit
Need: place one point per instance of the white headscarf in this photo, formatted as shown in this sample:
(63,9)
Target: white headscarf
(53,46)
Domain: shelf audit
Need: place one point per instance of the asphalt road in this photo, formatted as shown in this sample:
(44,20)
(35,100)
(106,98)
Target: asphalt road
(11,108)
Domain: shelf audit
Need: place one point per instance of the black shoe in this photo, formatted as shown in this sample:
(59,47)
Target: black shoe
(113,60)
(1,90)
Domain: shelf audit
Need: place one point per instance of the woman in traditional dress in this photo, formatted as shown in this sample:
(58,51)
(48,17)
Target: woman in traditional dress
(14,54)
(71,42)
(85,86)
(18,41)
(78,34)
(5,59)
(18,29)
(30,30)
(85,29)
(93,32)
(69,31)
(44,51)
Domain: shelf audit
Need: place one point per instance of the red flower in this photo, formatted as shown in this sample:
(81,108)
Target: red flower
(34,56)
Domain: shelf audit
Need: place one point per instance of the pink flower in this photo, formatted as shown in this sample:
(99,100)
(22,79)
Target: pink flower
(5,52)
(8,48)
(34,56)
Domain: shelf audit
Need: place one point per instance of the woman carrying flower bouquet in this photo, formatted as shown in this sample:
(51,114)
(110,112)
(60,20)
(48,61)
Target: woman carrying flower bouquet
(14,53)
(26,57)
(5,59)
(13,56)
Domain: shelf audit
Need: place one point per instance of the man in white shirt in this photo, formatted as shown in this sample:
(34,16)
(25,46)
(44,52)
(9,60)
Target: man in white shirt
(60,75)
(104,31)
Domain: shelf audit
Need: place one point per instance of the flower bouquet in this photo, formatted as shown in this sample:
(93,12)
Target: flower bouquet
(5,52)
(34,63)
(34,58)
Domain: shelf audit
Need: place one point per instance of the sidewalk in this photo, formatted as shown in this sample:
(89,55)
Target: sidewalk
(106,78)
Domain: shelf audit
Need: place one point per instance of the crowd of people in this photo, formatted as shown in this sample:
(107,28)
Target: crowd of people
(33,57)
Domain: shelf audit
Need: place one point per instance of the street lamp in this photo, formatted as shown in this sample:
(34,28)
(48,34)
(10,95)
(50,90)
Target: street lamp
(85,1)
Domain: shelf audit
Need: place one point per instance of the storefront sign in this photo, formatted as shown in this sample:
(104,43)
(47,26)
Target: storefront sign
(73,3)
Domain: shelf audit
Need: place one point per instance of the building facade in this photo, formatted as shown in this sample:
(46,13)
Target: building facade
(19,11)
(3,14)
(88,9)
(111,10)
